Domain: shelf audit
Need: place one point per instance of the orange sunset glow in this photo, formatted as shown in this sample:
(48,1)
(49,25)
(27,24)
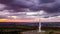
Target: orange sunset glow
(19,20)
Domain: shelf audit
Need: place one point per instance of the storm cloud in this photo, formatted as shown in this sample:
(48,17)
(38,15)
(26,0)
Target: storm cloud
(50,6)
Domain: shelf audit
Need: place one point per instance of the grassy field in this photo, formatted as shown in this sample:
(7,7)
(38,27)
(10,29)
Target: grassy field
(51,30)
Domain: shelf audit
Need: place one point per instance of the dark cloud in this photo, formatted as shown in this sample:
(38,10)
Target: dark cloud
(50,6)
(17,5)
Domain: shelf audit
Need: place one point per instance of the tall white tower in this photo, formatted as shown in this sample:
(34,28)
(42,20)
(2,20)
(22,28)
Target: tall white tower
(40,13)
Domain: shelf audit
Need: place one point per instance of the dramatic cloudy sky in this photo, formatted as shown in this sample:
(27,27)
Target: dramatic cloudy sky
(49,6)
